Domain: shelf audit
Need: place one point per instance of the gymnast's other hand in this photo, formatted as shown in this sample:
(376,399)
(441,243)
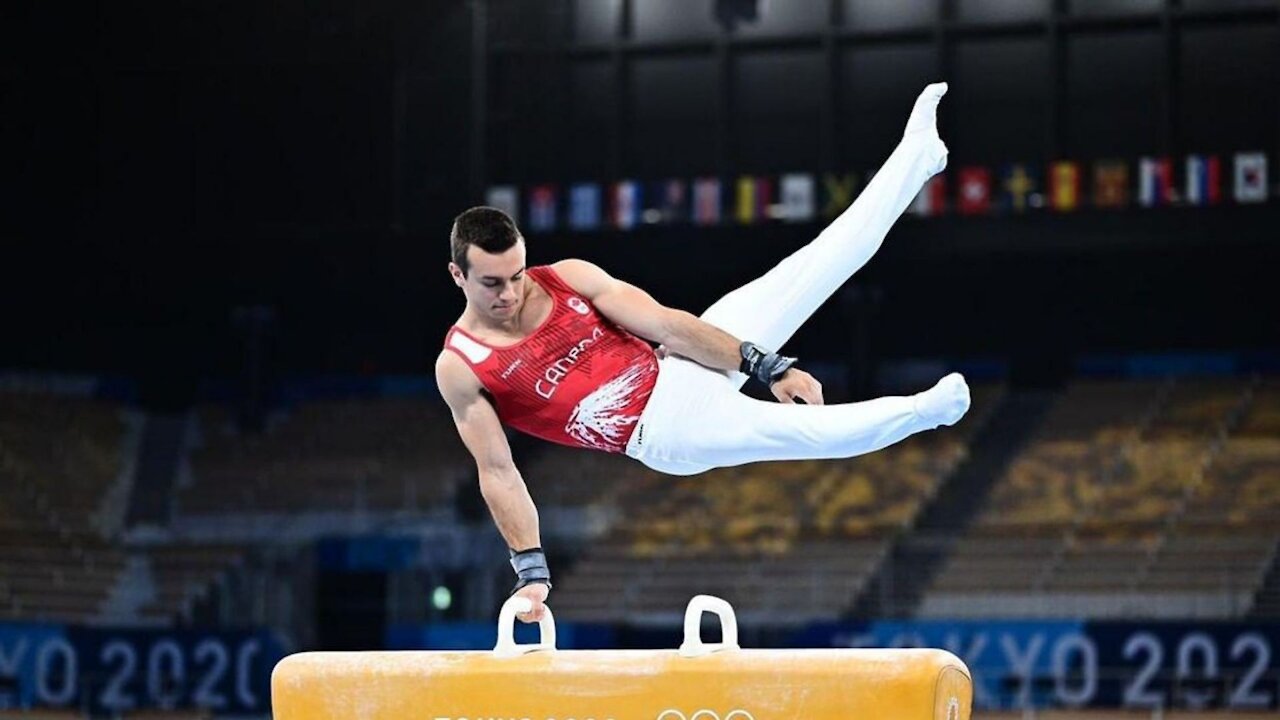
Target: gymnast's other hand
(795,385)
(537,594)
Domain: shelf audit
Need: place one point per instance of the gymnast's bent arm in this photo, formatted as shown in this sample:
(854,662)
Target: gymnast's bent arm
(634,309)
(501,485)
(680,332)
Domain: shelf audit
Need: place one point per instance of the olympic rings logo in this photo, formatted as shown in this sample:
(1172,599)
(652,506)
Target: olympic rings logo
(704,714)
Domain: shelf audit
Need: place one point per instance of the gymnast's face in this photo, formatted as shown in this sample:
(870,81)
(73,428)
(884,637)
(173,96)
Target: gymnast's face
(494,283)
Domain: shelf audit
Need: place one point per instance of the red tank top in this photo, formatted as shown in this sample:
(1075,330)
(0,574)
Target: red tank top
(578,379)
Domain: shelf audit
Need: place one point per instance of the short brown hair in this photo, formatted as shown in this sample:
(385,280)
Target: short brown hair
(489,229)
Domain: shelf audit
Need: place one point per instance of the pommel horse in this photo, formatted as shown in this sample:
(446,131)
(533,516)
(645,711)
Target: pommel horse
(698,681)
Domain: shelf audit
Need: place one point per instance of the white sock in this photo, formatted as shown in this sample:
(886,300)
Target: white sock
(944,403)
(924,116)
(924,123)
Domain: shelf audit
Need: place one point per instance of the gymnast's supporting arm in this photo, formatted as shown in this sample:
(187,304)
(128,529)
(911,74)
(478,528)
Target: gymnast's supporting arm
(501,485)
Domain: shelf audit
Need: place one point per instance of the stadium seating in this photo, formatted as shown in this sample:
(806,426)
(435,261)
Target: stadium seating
(1128,488)
(183,573)
(560,476)
(62,461)
(385,454)
(813,579)
(60,457)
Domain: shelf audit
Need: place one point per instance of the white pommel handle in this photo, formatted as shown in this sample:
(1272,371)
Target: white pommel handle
(507,646)
(693,645)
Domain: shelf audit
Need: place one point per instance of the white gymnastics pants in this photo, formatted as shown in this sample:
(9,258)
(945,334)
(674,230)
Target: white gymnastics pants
(697,419)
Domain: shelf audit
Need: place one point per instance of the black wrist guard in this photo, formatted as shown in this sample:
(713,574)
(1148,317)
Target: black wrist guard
(531,567)
(762,365)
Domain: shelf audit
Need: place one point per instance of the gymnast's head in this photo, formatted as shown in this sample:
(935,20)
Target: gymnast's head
(488,261)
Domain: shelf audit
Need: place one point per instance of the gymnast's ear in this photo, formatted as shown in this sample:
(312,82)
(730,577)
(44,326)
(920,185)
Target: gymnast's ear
(459,277)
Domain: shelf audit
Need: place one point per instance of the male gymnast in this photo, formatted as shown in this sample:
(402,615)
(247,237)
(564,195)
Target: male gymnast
(559,352)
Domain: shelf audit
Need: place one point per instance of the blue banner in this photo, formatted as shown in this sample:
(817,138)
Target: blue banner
(1040,664)
(113,671)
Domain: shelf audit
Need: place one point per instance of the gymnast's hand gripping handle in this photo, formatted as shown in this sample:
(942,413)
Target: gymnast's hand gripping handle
(693,645)
(507,646)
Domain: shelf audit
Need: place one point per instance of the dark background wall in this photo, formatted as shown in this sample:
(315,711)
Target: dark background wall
(166,163)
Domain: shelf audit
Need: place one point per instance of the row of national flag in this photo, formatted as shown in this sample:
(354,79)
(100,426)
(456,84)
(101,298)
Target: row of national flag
(1062,186)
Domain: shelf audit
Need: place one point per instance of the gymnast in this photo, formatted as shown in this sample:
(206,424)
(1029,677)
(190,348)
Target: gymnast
(560,352)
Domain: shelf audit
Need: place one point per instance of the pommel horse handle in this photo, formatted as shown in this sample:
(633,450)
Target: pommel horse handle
(507,646)
(693,645)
